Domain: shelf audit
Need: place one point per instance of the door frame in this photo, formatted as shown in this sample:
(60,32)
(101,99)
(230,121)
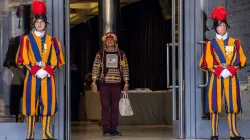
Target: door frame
(56,17)
(189,73)
(193,33)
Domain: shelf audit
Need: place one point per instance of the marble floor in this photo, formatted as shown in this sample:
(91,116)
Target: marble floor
(92,131)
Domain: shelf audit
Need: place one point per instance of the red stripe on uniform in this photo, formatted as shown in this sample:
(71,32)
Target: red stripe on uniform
(204,57)
(20,57)
(59,55)
(238,49)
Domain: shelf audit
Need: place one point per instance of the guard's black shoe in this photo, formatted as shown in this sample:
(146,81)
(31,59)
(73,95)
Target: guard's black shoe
(237,138)
(116,133)
(214,138)
(106,133)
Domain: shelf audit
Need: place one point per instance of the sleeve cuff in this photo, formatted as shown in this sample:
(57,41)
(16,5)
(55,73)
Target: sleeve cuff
(34,69)
(232,70)
(49,70)
(218,71)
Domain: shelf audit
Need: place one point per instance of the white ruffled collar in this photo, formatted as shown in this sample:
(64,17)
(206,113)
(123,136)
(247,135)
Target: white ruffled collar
(39,34)
(224,37)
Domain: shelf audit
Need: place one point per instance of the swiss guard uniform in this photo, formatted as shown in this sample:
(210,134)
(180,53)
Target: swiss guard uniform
(223,57)
(41,56)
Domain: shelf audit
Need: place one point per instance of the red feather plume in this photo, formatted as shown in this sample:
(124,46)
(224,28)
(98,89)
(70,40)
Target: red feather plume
(38,7)
(219,13)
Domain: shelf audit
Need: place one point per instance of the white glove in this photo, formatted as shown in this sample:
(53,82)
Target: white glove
(47,74)
(225,73)
(41,73)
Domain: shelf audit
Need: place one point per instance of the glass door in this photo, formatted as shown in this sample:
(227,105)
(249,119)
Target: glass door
(177,65)
(13,23)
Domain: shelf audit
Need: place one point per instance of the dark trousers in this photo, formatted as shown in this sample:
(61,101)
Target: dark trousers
(75,100)
(15,96)
(110,96)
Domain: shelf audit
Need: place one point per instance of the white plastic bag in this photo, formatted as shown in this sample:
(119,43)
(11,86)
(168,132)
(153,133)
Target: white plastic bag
(124,106)
(7,76)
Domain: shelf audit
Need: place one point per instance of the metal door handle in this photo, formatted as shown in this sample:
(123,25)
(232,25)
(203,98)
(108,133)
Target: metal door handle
(202,42)
(203,85)
(168,67)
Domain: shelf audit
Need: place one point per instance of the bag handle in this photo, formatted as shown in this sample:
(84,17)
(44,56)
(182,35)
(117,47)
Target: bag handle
(125,95)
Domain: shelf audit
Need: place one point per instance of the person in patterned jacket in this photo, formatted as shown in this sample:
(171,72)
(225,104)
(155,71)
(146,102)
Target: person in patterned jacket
(110,68)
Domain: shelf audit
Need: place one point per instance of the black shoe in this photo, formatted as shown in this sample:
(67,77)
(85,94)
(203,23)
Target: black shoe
(237,138)
(116,133)
(214,138)
(106,133)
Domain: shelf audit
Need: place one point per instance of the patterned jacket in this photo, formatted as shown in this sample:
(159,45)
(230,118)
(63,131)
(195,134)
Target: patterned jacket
(112,68)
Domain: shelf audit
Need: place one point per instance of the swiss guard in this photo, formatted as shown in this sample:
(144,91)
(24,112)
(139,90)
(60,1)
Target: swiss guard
(223,58)
(41,55)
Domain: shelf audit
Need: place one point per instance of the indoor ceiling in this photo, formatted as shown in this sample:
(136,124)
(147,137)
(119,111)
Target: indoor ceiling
(80,10)
(83,10)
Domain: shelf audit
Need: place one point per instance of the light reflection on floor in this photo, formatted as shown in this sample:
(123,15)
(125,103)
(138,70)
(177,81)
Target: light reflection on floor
(92,131)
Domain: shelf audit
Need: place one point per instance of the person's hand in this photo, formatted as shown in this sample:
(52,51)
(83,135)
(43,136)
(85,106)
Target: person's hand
(94,87)
(225,74)
(125,89)
(41,74)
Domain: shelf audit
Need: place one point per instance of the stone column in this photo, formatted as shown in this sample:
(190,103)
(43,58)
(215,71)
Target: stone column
(109,13)
(24,19)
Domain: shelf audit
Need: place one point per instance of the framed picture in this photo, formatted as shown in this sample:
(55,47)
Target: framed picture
(112,61)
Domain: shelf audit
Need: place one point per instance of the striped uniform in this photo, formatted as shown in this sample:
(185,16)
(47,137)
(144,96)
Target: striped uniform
(215,55)
(39,95)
